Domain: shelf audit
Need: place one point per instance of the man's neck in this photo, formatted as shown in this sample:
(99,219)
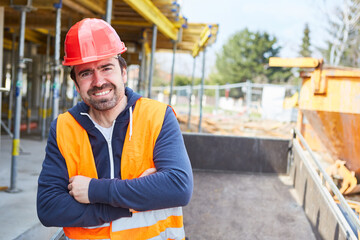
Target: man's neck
(106,118)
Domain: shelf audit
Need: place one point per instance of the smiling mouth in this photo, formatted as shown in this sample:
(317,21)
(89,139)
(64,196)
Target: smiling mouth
(102,93)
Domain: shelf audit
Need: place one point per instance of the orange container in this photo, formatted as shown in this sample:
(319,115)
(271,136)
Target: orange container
(330,101)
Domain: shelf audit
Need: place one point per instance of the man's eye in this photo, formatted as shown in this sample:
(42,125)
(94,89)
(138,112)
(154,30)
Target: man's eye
(85,74)
(107,69)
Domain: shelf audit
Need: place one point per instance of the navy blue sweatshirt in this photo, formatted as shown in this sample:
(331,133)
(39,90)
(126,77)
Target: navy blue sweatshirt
(110,199)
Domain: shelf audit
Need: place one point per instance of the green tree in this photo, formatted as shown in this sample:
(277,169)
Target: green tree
(182,80)
(305,46)
(246,56)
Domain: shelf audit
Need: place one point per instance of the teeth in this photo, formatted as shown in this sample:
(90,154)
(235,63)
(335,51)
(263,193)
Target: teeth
(102,93)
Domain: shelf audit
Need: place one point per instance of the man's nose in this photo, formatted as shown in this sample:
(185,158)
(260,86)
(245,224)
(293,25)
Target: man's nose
(98,80)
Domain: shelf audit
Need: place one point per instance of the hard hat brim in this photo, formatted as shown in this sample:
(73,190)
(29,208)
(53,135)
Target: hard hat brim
(77,61)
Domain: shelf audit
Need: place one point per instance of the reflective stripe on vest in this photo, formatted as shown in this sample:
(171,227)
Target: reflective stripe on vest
(137,156)
(150,224)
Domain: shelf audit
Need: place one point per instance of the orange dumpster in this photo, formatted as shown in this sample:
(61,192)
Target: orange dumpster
(330,101)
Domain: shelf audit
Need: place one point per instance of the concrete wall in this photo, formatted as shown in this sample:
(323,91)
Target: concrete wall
(233,153)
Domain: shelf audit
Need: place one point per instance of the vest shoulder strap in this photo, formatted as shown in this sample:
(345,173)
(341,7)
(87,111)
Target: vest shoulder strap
(74,145)
(137,155)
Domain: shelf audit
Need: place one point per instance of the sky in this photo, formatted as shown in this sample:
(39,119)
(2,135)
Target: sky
(284,19)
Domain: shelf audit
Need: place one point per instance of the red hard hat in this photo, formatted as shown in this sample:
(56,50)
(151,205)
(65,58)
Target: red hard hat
(91,40)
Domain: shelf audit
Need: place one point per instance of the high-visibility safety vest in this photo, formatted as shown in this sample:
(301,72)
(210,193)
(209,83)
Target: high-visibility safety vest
(137,156)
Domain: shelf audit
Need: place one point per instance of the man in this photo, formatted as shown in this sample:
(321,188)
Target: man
(116,166)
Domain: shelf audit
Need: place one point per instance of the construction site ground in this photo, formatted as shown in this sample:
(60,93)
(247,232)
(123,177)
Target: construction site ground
(238,126)
(245,206)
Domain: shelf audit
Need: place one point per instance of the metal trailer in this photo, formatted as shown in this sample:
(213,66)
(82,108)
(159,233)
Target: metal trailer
(262,188)
(259,188)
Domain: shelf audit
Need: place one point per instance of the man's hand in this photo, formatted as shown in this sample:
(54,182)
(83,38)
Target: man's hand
(79,188)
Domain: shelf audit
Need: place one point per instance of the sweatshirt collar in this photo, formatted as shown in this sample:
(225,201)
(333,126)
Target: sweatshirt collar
(86,122)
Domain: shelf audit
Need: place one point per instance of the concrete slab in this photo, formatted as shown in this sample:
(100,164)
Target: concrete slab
(18,216)
(244,206)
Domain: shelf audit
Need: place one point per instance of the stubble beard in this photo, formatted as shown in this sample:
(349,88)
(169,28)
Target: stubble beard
(104,104)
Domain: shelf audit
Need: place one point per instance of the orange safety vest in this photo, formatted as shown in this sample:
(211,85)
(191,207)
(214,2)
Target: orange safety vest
(137,156)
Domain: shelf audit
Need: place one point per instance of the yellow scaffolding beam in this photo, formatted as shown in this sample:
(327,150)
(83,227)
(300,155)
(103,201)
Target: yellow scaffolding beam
(204,38)
(130,23)
(305,62)
(163,2)
(147,48)
(73,5)
(179,23)
(152,14)
(146,44)
(33,36)
(7,44)
(93,6)
(45,31)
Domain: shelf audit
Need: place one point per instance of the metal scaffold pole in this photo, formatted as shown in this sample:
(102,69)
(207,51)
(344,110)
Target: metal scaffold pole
(142,66)
(56,85)
(172,72)
(108,15)
(202,89)
(16,135)
(41,106)
(1,62)
(153,49)
(13,78)
(45,79)
(28,104)
(191,93)
(30,79)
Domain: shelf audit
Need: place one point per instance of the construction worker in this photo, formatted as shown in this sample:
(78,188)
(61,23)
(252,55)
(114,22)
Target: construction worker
(116,166)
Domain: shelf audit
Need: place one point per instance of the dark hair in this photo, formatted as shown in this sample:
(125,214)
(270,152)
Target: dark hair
(122,63)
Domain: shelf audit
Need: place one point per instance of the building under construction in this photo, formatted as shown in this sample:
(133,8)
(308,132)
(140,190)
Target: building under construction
(244,187)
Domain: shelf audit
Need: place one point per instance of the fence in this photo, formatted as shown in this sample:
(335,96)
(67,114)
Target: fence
(252,100)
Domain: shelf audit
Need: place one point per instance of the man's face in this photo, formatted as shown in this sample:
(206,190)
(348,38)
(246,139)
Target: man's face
(101,83)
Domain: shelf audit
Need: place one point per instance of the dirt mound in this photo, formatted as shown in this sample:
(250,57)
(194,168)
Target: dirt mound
(238,126)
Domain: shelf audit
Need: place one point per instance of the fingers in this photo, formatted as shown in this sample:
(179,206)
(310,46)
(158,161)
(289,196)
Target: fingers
(79,188)
(70,186)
